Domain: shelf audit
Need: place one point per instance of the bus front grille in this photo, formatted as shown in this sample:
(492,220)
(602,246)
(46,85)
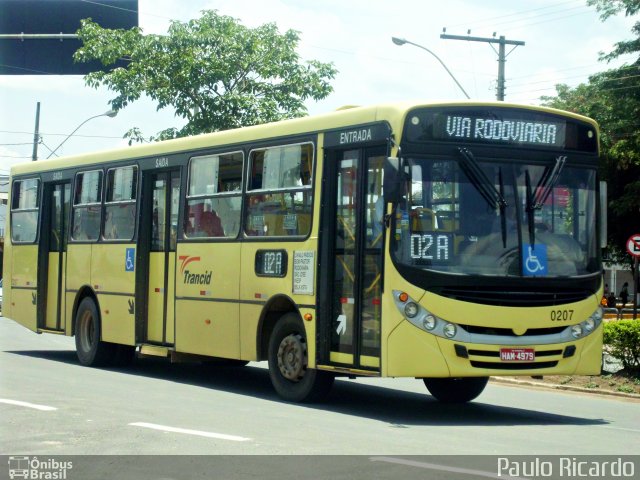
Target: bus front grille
(507,332)
(513,366)
(513,297)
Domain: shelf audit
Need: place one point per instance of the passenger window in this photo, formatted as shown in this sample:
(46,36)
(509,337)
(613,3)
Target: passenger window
(24,210)
(120,203)
(87,200)
(214,196)
(280,195)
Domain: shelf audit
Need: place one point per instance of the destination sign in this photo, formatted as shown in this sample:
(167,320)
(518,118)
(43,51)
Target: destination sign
(508,131)
(499,126)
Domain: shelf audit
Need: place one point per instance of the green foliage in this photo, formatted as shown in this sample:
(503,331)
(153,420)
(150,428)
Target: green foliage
(612,98)
(622,338)
(216,73)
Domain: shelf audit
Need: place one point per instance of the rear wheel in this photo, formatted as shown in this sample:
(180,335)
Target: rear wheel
(288,362)
(91,351)
(456,390)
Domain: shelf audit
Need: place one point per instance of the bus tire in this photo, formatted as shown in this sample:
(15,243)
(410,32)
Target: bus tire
(290,377)
(91,351)
(456,390)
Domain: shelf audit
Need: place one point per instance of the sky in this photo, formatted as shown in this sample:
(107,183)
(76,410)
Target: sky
(562,38)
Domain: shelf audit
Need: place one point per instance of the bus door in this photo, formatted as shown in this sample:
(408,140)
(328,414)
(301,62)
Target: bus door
(52,256)
(158,244)
(354,223)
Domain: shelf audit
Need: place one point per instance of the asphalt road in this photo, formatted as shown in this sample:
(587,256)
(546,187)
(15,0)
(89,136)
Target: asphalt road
(50,405)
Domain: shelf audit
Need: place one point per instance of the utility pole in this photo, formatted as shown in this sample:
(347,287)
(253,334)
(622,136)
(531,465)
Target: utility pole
(502,57)
(36,135)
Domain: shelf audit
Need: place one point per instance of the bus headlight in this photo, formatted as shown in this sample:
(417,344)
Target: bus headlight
(429,322)
(598,314)
(589,325)
(449,330)
(576,331)
(411,309)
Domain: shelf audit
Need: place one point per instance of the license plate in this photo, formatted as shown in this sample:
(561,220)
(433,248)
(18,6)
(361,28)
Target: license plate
(517,355)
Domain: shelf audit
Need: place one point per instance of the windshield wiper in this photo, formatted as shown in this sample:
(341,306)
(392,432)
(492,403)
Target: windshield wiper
(548,181)
(487,189)
(493,196)
(543,190)
(530,207)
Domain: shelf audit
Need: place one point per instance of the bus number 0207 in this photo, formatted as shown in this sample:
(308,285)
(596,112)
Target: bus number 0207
(561,315)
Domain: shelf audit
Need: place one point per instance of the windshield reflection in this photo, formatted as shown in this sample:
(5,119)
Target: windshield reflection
(479,216)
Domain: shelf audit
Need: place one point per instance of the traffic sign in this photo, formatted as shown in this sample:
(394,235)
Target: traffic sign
(633,245)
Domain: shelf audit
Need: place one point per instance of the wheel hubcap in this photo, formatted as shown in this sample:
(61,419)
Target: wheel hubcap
(292,357)
(86,331)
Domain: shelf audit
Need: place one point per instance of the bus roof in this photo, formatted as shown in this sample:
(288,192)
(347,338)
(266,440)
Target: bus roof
(346,116)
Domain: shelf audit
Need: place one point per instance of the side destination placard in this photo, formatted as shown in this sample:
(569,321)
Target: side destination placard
(378,132)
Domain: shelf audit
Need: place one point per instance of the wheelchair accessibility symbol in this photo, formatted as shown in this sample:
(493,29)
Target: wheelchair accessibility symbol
(130,260)
(534,260)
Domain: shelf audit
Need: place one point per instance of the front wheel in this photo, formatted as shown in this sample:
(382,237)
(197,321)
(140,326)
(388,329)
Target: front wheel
(91,350)
(288,362)
(456,390)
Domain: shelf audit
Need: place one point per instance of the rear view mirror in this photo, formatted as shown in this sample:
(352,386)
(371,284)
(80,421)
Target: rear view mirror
(394,179)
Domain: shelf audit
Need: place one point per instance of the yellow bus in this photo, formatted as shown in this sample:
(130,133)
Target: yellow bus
(449,242)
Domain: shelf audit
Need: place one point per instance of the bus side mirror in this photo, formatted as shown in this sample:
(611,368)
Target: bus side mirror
(394,180)
(603,214)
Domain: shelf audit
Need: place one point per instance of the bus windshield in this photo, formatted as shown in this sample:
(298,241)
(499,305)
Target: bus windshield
(500,217)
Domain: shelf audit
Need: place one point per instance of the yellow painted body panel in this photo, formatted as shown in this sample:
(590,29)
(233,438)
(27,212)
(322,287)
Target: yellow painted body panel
(371,362)
(118,325)
(115,288)
(412,352)
(339,357)
(108,269)
(207,314)
(171,295)
(78,275)
(155,297)
(51,313)
(22,300)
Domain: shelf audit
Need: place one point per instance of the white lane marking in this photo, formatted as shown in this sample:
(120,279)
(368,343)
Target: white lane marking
(635,430)
(200,433)
(444,468)
(44,408)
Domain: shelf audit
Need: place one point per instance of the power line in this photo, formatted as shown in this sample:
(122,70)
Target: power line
(126,9)
(59,134)
(497,17)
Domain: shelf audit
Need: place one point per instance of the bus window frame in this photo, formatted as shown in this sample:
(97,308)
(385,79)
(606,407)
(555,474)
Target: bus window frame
(105,204)
(74,205)
(250,192)
(205,196)
(36,209)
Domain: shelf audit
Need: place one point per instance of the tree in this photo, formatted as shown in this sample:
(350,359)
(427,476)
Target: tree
(216,73)
(613,99)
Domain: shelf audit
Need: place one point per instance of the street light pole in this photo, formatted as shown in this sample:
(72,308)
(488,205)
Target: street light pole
(111,113)
(402,41)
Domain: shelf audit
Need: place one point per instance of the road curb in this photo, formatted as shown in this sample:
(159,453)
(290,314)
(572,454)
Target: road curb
(570,388)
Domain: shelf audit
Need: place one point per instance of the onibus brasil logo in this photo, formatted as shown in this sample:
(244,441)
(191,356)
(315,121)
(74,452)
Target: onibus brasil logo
(190,277)
(38,469)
